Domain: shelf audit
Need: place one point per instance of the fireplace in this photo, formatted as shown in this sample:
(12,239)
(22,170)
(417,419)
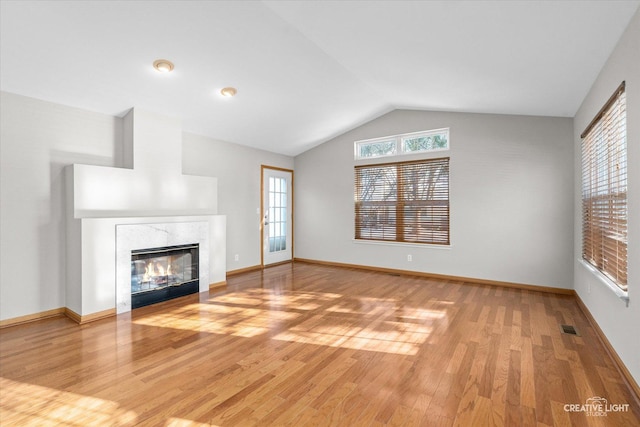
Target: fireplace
(160,274)
(113,211)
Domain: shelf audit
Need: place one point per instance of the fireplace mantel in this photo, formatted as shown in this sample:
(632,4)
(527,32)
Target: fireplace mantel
(109,208)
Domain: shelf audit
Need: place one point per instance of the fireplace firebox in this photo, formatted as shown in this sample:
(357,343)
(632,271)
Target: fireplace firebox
(160,274)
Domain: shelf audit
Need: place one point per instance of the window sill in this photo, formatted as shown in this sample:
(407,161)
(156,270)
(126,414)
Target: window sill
(411,245)
(623,295)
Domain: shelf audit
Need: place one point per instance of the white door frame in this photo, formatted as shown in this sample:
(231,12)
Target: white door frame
(263,169)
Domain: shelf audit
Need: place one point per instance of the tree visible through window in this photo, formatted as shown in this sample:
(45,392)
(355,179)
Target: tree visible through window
(604,190)
(377,149)
(408,143)
(403,201)
(425,143)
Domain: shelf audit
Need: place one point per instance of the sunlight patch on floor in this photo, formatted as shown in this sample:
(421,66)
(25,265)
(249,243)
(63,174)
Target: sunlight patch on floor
(219,319)
(386,336)
(179,422)
(277,297)
(30,404)
(389,326)
(238,313)
(420,313)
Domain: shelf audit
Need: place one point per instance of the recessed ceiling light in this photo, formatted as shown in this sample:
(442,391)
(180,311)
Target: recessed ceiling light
(229,92)
(163,65)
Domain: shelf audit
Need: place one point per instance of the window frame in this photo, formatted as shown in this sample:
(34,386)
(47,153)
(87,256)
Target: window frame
(399,144)
(359,144)
(604,193)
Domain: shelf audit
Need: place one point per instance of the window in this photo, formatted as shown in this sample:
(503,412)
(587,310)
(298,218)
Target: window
(377,148)
(403,202)
(408,143)
(431,141)
(604,190)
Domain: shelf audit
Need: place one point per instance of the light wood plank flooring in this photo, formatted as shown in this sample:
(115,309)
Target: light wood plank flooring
(307,345)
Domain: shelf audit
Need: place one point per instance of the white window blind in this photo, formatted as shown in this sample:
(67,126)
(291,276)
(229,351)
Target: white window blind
(604,190)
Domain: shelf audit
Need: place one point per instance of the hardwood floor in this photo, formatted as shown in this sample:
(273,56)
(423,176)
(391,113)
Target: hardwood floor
(307,345)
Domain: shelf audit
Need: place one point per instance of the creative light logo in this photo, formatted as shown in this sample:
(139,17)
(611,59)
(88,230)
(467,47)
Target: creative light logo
(596,407)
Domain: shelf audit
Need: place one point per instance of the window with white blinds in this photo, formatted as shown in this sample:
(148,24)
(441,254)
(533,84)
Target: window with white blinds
(604,190)
(403,201)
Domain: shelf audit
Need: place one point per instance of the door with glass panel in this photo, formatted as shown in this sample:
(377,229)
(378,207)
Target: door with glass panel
(277,215)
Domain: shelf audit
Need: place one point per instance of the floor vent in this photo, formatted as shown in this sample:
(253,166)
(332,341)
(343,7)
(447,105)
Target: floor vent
(569,330)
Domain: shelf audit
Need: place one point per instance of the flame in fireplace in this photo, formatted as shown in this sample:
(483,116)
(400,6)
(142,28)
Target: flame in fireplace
(155,269)
(149,272)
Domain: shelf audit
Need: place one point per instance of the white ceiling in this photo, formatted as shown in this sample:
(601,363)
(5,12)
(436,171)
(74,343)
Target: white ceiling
(307,71)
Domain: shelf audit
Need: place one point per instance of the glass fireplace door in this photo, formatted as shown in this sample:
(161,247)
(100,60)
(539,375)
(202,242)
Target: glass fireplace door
(158,274)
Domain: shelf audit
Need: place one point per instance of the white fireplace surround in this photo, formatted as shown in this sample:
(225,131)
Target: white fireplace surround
(130,237)
(147,203)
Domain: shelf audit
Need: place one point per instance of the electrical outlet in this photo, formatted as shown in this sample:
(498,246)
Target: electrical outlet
(237,257)
(409,258)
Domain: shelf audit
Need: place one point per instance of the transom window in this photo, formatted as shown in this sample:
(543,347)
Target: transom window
(604,190)
(403,201)
(408,143)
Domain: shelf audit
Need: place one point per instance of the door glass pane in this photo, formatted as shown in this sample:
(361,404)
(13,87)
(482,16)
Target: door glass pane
(277,214)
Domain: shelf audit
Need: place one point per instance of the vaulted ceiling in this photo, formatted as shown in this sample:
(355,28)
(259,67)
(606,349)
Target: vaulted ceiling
(307,71)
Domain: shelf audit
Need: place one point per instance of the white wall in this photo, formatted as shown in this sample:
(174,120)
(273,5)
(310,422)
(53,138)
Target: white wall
(618,322)
(37,140)
(238,171)
(155,186)
(511,187)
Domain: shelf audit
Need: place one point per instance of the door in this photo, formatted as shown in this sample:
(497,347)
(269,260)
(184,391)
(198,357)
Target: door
(277,215)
